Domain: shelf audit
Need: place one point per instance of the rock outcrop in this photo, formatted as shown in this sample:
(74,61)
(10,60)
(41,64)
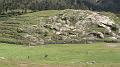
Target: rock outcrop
(75,26)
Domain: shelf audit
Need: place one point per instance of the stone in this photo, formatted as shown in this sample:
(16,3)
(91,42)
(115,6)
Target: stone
(75,24)
(97,34)
(2,58)
(112,38)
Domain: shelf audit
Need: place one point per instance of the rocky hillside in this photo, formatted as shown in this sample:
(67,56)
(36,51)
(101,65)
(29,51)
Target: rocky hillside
(79,26)
(64,26)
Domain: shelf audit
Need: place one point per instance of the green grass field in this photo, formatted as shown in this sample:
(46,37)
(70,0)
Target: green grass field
(103,54)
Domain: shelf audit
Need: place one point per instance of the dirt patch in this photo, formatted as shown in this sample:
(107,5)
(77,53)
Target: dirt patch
(23,65)
(113,45)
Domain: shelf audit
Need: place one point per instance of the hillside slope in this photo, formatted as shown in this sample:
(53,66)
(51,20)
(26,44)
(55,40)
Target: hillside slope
(33,28)
(9,26)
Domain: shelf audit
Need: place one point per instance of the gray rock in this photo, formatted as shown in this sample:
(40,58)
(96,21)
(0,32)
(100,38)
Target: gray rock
(97,34)
(71,26)
(33,40)
(75,24)
(112,38)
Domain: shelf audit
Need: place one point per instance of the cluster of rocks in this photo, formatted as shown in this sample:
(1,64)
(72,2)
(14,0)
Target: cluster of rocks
(78,26)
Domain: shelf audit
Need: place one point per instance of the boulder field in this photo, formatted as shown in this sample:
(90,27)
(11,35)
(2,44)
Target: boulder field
(74,26)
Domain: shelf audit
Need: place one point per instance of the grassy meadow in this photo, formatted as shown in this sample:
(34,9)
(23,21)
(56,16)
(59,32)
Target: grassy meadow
(71,55)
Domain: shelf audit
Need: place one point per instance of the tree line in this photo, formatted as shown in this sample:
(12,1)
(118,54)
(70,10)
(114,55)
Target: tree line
(36,5)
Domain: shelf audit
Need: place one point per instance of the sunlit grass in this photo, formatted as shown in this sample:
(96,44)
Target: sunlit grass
(67,53)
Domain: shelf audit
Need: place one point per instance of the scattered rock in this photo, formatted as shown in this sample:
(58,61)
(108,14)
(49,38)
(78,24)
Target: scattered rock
(97,34)
(112,38)
(73,26)
(2,58)
(33,40)
(91,62)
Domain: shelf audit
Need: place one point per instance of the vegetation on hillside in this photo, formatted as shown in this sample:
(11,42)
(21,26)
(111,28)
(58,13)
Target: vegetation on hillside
(14,28)
(10,27)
